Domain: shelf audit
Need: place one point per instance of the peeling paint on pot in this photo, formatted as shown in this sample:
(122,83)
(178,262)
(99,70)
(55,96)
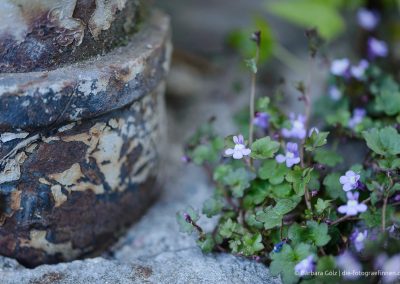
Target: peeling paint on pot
(79,149)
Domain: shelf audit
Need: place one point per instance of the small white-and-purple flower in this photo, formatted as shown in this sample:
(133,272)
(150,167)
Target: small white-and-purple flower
(391,268)
(358,71)
(298,129)
(305,267)
(377,48)
(352,208)
(349,181)
(367,19)
(291,156)
(313,129)
(334,93)
(358,238)
(340,67)
(349,264)
(240,150)
(261,120)
(357,118)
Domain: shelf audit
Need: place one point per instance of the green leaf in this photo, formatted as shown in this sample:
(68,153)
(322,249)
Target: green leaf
(340,117)
(327,157)
(299,178)
(227,228)
(327,265)
(388,97)
(262,104)
(313,233)
(284,206)
(273,172)
(390,163)
(385,141)
(201,154)
(213,206)
(264,148)
(283,263)
(238,180)
(310,14)
(252,244)
(269,218)
(372,218)
(221,172)
(316,140)
(333,186)
(256,194)
(207,244)
(283,190)
(252,221)
(318,233)
(322,205)
(272,217)
(235,245)
(209,152)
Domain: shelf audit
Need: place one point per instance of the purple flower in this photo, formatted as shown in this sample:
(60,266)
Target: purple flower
(278,247)
(291,157)
(392,229)
(334,93)
(185,159)
(367,19)
(349,180)
(350,266)
(305,267)
(357,118)
(358,238)
(352,208)
(392,269)
(359,70)
(340,67)
(377,48)
(298,129)
(240,150)
(380,260)
(261,120)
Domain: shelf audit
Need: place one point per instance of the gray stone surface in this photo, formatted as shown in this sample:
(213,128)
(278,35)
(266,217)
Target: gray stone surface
(154,251)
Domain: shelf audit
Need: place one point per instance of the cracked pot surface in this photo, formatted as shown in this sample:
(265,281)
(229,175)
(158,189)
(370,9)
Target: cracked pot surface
(43,34)
(79,149)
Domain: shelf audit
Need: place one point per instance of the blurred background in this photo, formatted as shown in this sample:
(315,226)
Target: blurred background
(211,42)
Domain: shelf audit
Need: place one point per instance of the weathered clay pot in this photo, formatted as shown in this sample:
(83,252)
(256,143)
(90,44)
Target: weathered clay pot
(79,147)
(43,34)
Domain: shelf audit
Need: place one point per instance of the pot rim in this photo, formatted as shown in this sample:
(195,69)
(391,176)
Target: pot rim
(89,88)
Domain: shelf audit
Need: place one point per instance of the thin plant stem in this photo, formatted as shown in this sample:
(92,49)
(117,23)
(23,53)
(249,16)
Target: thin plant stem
(252,98)
(197,227)
(257,39)
(308,110)
(385,201)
